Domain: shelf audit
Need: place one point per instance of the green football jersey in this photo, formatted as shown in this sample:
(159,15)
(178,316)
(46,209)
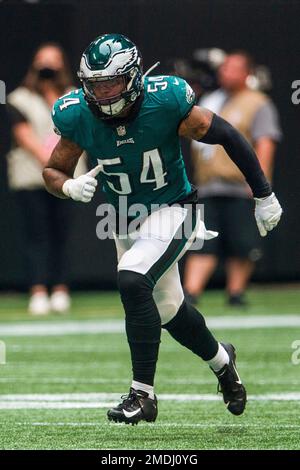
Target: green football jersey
(142,159)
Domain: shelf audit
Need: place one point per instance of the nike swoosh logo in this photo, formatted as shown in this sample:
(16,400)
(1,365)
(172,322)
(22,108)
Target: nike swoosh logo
(237,381)
(130,414)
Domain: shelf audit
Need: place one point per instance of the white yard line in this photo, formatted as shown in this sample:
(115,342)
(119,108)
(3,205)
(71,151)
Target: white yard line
(62,328)
(76,327)
(104,400)
(74,380)
(167,424)
(183,382)
(41,405)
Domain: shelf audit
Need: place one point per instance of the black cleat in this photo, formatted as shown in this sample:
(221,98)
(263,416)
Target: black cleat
(234,393)
(135,407)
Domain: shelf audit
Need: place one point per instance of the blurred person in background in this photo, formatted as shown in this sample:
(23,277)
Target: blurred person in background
(222,188)
(43,219)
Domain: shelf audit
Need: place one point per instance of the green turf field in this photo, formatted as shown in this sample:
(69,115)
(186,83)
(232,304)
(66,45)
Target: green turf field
(62,373)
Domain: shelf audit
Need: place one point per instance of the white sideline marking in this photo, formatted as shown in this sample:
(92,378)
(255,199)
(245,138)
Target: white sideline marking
(104,400)
(75,327)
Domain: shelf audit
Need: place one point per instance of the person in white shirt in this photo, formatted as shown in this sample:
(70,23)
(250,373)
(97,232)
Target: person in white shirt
(44,220)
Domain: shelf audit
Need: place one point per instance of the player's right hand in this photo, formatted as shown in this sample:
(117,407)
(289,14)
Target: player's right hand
(82,188)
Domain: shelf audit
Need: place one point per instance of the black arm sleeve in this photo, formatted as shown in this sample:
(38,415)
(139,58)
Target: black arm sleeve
(240,152)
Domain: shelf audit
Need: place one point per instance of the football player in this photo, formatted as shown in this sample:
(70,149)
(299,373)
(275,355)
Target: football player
(130,125)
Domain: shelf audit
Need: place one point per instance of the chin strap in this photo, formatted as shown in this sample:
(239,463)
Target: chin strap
(150,70)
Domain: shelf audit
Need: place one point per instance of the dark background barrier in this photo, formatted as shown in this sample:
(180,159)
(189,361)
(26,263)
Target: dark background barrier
(268,29)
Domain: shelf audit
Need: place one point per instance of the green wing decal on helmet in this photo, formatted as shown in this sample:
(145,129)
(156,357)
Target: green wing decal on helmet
(111,74)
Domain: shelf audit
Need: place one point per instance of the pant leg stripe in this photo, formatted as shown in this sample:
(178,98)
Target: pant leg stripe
(172,252)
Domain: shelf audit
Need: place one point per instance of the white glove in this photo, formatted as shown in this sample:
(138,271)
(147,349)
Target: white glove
(82,188)
(267,213)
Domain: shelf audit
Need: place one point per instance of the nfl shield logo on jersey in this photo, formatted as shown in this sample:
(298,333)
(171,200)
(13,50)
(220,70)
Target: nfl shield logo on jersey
(121,130)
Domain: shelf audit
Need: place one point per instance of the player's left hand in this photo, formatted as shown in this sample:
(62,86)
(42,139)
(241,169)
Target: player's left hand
(267,213)
(83,187)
